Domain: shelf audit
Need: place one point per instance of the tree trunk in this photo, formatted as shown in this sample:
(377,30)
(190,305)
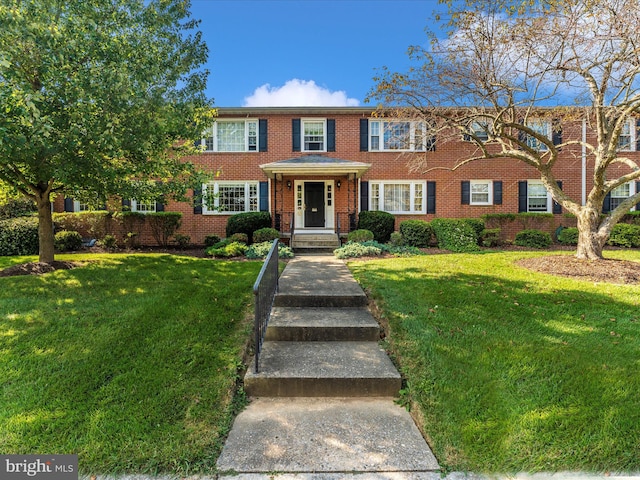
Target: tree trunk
(45,228)
(590,240)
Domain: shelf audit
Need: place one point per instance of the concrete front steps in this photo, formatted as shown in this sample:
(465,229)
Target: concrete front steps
(322,342)
(315,242)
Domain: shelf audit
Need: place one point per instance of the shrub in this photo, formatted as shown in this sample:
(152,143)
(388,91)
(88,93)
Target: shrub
(233,249)
(416,233)
(132,224)
(490,237)
(183,241)
(17,207)
(455,235)
(210,240)
(396,239)
(354,250)
(239,238)
(382,224)
(535,220)
(163,226)
(478,226)
(109,242)
(532,238)
(19,236)
(360,236)
(67,241)
(405,251)
(568,236)
(248,223)
(625,235)
(265,235)
(261,250)
(89,224)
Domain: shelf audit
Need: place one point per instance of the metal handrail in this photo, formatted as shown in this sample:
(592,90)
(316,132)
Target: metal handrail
(264,291)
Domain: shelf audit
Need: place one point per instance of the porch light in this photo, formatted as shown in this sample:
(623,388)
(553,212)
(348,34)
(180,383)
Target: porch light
(289,184)
(338,183)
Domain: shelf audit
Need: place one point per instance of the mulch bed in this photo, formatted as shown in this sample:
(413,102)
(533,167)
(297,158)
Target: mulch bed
(605,271)
(37,268)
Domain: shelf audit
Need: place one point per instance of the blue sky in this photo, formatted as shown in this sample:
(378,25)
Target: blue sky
(303,52)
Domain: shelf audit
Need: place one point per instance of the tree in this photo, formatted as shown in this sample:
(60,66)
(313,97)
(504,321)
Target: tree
(507,68)
(96,96)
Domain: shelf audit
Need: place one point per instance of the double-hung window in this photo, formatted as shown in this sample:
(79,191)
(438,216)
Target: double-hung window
(398,136)
(232,136)
(621,193)
(397,197)
(313,135)
(230,197)
(480,128)
(143,206)
(627,138)
(538,199)
(542,128)
(481,192)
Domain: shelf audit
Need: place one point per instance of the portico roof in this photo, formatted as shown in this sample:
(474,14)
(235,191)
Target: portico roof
(315,165)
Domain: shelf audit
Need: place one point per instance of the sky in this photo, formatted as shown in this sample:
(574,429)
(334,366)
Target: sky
(306,52)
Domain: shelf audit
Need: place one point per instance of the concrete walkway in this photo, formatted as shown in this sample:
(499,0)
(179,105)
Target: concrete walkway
(322,404)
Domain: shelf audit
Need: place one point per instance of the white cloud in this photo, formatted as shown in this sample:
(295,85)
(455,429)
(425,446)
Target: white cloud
(298,93)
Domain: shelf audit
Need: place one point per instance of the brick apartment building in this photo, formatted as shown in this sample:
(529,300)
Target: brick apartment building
(316,168)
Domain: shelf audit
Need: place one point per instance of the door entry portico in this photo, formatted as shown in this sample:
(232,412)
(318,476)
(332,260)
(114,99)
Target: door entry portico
(314,214)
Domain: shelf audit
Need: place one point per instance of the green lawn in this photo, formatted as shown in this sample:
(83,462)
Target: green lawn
(129,362)
(510,370)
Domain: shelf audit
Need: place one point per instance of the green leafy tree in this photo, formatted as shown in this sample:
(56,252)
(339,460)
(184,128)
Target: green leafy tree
(506,68)
(98,97)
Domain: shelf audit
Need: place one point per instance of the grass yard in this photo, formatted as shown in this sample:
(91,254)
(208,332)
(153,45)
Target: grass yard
(129,362)
(509,370)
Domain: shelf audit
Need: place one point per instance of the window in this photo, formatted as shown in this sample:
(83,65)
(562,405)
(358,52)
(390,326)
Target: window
(480,128)
(398,135)
(627,138)
(230,197)
(397,197)
(232,136)
(79,206)
(481,192)
(143,207)
(621,193)
(538,199)
(541,127)
(313,135)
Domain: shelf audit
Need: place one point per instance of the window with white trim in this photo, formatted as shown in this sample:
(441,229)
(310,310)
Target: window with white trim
(627,138)
(538,199)
(621,193)
(480,128)
(397,197)
(229,197)
(481,192)
(231,136)
(542,127)
(79,206)
(397,136)
(314,135)
(143,207)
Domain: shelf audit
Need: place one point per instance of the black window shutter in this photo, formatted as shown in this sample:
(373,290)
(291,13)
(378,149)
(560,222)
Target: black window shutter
(556,131)
(364,196)
(431,197)
(295,132)
(431,144)
(264,197)
(364,135)
(522,197)
(606,205)
(466,137)
(331,135)
(68,204)
(197,201)
(160,206)
(262,140)
(637,190)
(126,203)
(497,192)
(557,208)
(465,188)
